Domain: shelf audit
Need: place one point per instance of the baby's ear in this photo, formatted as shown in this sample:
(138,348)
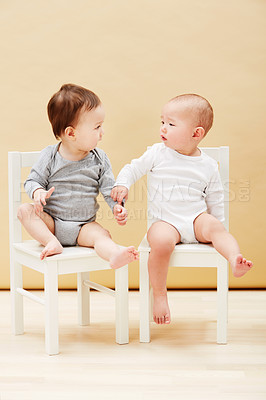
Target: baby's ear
(199,132)
(69,132)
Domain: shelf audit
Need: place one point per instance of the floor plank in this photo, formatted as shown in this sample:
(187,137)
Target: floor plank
(182,361)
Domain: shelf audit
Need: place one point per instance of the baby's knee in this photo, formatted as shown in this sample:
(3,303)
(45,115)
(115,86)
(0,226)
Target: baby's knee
(24,211)
(107,233)
(101,233)
(161,246)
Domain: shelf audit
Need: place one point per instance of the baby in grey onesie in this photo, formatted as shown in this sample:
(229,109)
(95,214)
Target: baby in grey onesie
(65,181)
(77,184)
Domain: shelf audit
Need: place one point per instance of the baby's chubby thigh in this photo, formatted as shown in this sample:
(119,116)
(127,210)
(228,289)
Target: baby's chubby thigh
(205,225)
(90,232)
(163,237)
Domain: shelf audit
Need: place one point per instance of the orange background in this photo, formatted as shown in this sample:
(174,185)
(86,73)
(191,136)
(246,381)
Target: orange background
(136,56)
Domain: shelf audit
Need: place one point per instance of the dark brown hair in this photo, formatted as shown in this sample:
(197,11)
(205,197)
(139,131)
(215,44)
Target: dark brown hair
(200,107)
(65,106)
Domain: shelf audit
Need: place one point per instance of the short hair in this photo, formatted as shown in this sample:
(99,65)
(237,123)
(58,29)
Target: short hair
(65,106)
(200,107)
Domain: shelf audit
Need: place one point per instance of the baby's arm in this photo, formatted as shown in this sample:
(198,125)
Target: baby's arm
(38,180)
(106,183)
(40,172)
(130,173)
(215,196)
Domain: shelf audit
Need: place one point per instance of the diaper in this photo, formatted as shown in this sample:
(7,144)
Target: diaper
(67,231)
(184,227)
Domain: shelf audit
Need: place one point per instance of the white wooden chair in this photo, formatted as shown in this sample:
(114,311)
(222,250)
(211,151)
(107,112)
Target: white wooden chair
(191,255)
(76,259)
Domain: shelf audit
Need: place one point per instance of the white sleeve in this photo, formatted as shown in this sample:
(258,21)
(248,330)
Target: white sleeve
(138,167)
(215,197)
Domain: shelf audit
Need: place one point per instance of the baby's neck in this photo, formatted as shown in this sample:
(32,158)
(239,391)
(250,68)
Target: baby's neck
(191,153)
(69,154)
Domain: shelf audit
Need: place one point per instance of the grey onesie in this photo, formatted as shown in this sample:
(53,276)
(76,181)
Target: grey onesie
(77,184)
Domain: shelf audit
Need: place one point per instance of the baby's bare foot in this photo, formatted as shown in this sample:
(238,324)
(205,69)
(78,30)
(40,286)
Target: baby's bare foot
(161,311)
(123,256)
(53,247)
(241,266)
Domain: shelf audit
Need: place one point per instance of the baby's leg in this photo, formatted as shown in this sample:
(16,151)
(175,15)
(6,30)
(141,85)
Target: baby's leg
(162,238)
(209,229)
(40,228)
(94,235)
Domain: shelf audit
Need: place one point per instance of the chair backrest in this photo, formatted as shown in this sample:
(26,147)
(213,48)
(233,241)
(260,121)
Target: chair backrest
(221,155)
(17,161)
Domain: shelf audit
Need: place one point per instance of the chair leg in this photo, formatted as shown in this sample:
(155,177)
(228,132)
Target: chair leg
(144,284)
(16,281)
(83,299)
(121,305)
(51,308)
(222,302)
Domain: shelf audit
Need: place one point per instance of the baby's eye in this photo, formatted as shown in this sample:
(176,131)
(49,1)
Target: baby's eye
(162,122)
(171,124)
(97,127)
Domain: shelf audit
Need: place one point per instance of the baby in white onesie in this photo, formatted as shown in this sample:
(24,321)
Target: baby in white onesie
(186,194)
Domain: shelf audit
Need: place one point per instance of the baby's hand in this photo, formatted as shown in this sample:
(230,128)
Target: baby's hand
(120,214)
(119,193)
(39,197)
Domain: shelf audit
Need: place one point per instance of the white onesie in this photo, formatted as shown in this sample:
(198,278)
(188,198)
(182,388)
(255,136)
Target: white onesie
(180,187)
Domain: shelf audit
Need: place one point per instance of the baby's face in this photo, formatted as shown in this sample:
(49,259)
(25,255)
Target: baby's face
(177,128)
(89,130)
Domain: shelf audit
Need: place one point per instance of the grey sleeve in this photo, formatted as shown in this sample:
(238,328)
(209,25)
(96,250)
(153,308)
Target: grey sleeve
(40,172)
(106,182)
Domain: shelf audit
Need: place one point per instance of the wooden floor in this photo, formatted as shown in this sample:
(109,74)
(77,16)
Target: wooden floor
(182,361)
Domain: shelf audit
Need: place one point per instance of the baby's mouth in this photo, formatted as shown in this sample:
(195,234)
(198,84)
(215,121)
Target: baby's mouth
(163,138)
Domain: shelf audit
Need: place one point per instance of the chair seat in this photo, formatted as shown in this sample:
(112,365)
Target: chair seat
(188,255)
(34,248)
(182,247)
(72,260)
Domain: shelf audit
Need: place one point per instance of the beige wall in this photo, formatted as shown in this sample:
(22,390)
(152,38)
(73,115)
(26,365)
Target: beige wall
(136,55)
